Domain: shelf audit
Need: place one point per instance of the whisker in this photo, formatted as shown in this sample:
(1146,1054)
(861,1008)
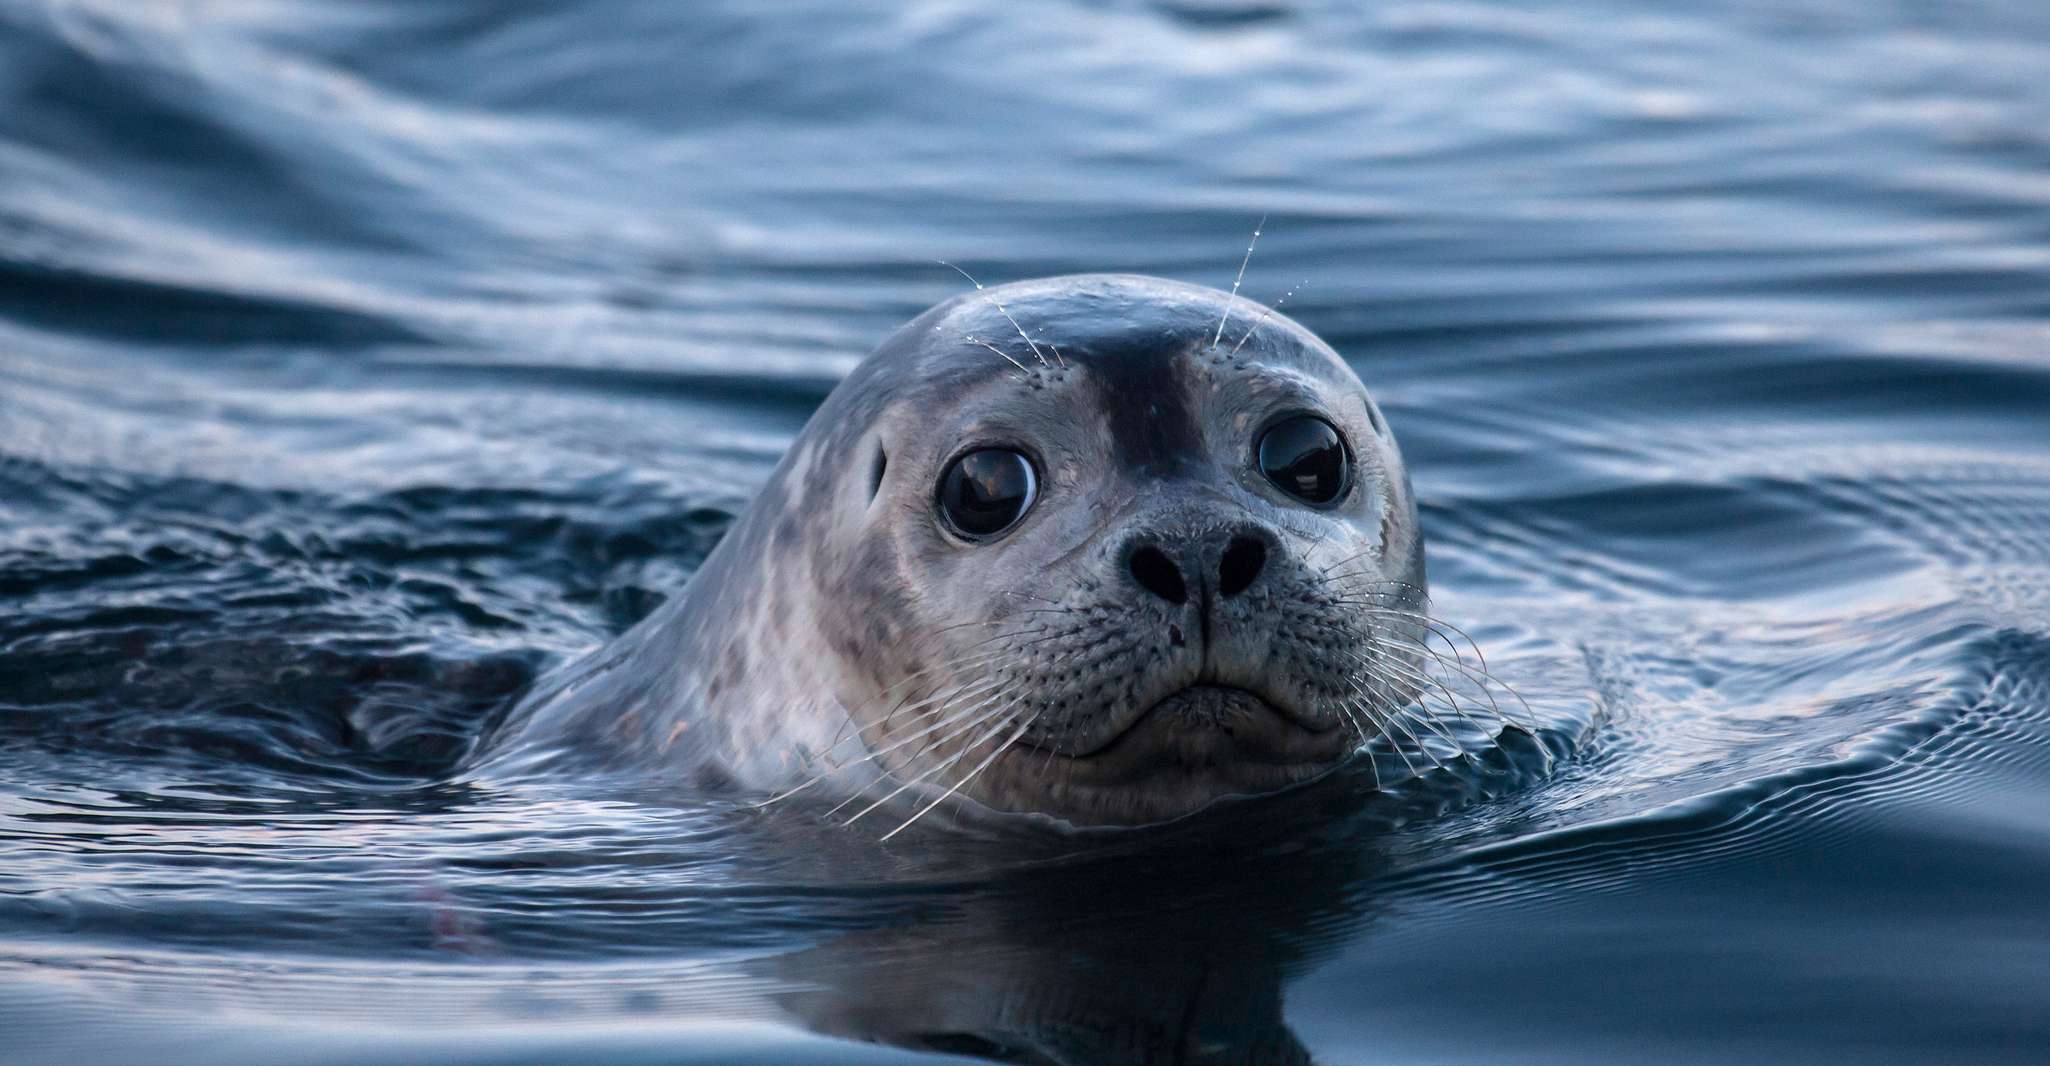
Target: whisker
(1318,543)
(983,693)
(1264,316)
(1046,764)
(1006,355)
(977,689)
(999,713)
(1422,594)
(1414,673)
(1345,708)
(958,785)
(834,767)
(1429,621)
(1361,554)
(1394,743)
(1485,681)
(999,305)
(1373,765)
(1425,681)
(1430,618)
(1435,626)
(996,656)
(1030,596)
(1397,718)
(953,666)
(1480,680)
(1235,283)
(980,689)
(1407,602)
(1381,726)
(1423,715)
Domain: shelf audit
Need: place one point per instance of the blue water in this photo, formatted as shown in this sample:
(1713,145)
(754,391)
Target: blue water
(360,361)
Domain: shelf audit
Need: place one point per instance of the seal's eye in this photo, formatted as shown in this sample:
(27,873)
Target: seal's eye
(984,492)
(1305,457)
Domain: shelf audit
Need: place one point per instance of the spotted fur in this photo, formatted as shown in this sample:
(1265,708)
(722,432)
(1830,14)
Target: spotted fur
(839,639)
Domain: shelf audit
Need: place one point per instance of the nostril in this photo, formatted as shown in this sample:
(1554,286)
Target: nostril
(1241,564)
(1156,573)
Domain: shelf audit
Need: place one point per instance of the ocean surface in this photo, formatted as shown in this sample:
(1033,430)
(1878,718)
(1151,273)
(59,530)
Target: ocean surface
(362,361)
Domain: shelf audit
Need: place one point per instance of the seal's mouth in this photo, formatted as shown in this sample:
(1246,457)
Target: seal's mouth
(1194,747)
(1212,725)
(1198,744)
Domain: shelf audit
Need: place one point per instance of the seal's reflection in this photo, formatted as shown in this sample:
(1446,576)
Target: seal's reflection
(1176,950)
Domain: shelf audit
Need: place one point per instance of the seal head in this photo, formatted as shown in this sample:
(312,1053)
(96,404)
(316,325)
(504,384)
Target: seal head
(1105,548)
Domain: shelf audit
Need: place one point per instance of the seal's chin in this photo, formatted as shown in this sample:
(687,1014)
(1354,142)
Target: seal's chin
(1198,745)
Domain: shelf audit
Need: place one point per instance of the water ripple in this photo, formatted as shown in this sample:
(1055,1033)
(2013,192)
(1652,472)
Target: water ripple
(360,362)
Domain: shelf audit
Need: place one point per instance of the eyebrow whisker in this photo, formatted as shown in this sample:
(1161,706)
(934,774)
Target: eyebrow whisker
(1006,355)
(999,305)
(1235,282)
(1265,315)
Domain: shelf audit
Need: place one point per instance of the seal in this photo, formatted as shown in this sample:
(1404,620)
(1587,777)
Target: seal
(1100,548)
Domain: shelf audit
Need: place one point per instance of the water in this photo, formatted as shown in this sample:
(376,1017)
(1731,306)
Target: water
(361,361)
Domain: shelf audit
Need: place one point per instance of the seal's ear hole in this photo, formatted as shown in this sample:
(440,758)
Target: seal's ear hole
(875,473)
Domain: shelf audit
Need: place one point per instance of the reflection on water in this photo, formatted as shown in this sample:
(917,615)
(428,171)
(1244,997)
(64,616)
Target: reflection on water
(361,362)
(1156,956)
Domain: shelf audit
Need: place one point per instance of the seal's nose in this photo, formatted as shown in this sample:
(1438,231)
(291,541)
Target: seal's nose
(1158,574)
(1224,566)
(1240,565)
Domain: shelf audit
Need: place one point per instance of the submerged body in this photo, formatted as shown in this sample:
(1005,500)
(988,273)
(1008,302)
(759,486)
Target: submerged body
(1102,548)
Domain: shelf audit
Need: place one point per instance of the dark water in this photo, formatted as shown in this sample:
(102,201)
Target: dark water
(358,361)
